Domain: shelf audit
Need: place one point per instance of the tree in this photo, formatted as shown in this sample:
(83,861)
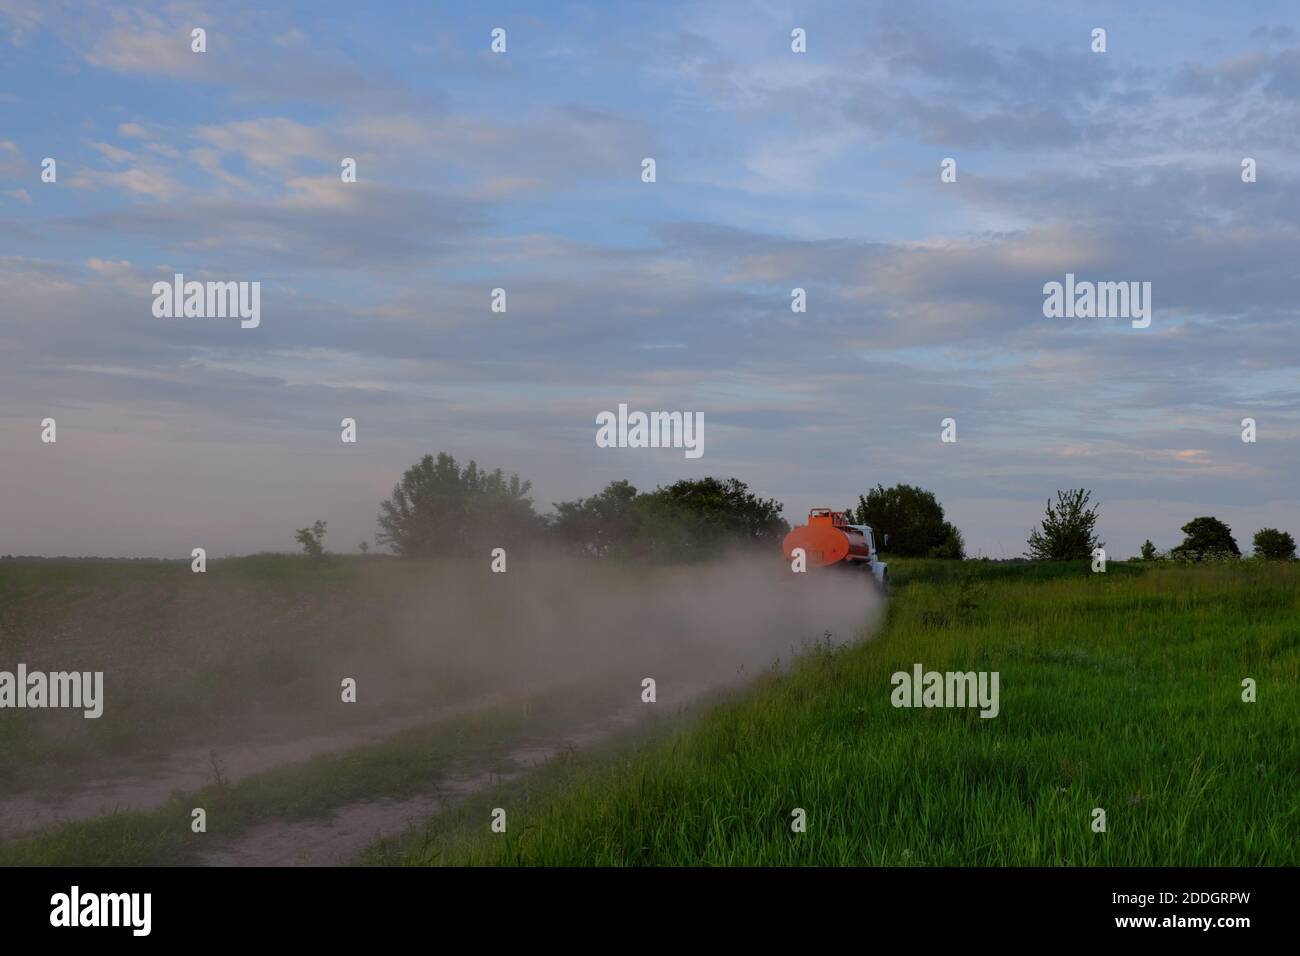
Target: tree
(1206,537)
(913,519)
(723,511)
(953,547)
(1274,545)
(1148,550)
(1068,529)
(311,539)
(689,519)
(363,547)
(599,525)
(440,508)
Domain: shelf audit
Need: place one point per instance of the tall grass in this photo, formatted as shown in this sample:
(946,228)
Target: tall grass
(1119,691)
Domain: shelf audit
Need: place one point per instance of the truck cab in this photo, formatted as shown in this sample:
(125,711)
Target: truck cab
(879,569)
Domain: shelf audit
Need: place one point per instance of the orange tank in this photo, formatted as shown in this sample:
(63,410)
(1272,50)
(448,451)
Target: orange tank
(827,539)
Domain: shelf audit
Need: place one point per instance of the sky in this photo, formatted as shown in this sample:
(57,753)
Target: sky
(522,170)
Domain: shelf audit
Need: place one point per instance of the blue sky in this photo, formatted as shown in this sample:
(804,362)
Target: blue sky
(775,170)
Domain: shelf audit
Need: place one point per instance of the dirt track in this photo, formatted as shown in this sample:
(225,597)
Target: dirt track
(350,829)
(148,786)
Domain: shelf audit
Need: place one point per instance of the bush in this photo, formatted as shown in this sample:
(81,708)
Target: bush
(1067,532)
(912,518)
(312,540)
(440,508)
(1274,545)
(1207,538)
(688,519)
(953,547)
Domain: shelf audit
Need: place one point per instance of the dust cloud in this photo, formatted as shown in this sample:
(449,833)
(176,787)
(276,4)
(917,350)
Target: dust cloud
(559,620)
(244,666)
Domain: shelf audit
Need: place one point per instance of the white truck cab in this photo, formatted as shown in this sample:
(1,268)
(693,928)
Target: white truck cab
(879,569)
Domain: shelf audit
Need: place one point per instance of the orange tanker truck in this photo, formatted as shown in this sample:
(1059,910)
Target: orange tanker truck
(828,540)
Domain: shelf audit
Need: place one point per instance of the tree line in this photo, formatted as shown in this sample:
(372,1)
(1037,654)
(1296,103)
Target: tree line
(441,507)
(1068,532)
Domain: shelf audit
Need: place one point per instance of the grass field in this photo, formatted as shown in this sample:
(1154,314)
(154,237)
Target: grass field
(257,646)
(188,658)
(1120,691)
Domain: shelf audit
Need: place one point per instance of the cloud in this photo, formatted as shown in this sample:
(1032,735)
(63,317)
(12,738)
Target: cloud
(108,267)
(114,154)
(21,19)
(144,180)
(12,164)
(318,224)
(276,143)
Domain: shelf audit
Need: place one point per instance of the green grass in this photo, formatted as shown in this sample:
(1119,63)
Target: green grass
(1119,691)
